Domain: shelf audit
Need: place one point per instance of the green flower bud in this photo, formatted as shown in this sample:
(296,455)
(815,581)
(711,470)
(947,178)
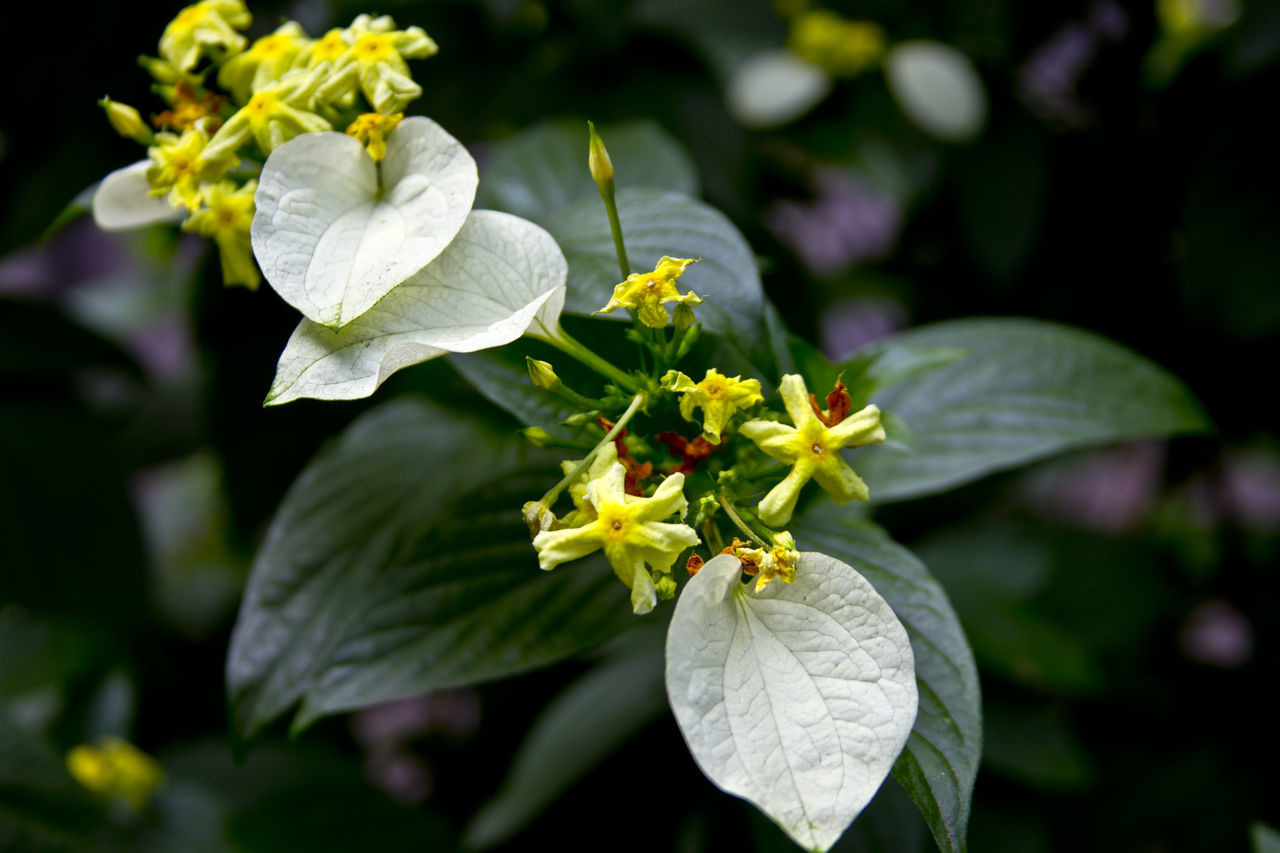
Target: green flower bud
(126,121)
(598,160)
(538,436)
(683,317)
(541,373)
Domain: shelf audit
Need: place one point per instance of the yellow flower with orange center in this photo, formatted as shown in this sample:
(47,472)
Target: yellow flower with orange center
(646,293)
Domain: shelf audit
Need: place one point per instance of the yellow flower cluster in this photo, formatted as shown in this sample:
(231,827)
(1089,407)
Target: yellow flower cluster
(231,103)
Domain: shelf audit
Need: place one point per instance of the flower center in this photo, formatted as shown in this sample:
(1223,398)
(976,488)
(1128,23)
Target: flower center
(372,48)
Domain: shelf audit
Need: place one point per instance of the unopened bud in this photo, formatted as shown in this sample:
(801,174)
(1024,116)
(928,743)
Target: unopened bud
(690,337)
(538,436)
(541,373)
(665,587)
(126,121)
(683,317)
(581,418)
(162,71)
(537,516)
(598,160)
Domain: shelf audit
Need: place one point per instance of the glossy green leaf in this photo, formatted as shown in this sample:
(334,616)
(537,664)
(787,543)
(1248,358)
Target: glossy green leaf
(377,580)
(798,698)
(940,762)
(657,223)
(1025,390)
(543,169)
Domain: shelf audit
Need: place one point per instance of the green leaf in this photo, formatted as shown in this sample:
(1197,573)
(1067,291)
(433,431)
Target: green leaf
(588,721)
(543,169)
(657,223)
(378,580)
(334,232)
(940,762)
(798,698)
(1025,390)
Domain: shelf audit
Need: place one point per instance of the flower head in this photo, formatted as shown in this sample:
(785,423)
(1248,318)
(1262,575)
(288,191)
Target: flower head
(180,164)
(373,61)
(273,115)
(203,28)
(812,449)
(225,215)
(267,60)
(630,530)
(645,293)
(117,769)
(372,130)
(770,564)
(720,398)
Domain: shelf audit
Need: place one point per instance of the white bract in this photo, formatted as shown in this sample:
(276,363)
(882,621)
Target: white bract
(938,88)
(334,232)
(123,201)
(500,277)
(797,699)
(775,87)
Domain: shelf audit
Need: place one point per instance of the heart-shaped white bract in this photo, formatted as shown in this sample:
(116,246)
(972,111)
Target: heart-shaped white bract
(123,201)
(334,232)
(500,277)
(797,699)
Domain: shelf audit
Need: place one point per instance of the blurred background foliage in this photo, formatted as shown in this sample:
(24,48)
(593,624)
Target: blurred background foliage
(1120,602)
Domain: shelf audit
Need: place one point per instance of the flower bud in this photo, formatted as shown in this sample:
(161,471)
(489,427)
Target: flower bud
(665,586)
(598,160)
(126,121)
(538,436)
(537,516)
(581,418)
(541,373)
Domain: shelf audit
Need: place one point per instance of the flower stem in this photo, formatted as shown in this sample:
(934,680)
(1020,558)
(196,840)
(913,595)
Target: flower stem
(566,343)
(550,497)
(738,522)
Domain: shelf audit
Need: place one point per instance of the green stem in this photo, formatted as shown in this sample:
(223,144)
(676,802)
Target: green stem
(737,520)
(566,343)
(550,497)
(615,225)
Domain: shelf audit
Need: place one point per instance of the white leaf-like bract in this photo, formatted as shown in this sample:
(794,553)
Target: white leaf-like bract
(938,88)
(334,232)
(123,201)
(500,277)
(797,699)
(775,87)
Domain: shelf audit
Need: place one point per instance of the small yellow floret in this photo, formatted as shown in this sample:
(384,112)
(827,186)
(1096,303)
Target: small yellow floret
(265,62)
(372,129)
(225,215)
(203,28)
(645,293)
(180,164)
(720,397)
(274,115)
(374,64)
(116,769)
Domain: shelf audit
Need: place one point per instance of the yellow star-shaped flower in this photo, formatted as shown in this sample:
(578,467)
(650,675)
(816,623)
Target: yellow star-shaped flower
(372,130)
(225,215)
(207,26)
(645,293)
(374,62)
(719,397)
(812,450)
(180,164)
(267,60)
(629,529)
(273,116)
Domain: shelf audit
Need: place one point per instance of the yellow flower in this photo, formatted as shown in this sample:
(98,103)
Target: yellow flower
(645,293)
(374,63)
(225,216)
(116,769)
(776,563)
(372,130)
(273,116)
(267,60)
(842,48)
(202,28)
(813,451)
(180,164)
(630,531)
(719,397)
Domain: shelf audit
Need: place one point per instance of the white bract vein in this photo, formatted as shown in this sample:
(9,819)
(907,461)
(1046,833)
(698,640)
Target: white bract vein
(501,276)
(123,201)
(334,232)
(797,699)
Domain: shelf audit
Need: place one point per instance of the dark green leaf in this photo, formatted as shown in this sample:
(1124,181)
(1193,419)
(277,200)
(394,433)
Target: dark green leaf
(657,223)
(502,376)
(1026,390)
(397,564)
(940,762)
(543,169)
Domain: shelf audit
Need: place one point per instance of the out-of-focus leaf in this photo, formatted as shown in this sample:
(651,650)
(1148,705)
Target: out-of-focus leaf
(584,724)
(775,87)
(938,88)
(37,339)
(1035,747)
(378,581)
(1263,838)
(940,762)
(543,169)
(1025,390)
